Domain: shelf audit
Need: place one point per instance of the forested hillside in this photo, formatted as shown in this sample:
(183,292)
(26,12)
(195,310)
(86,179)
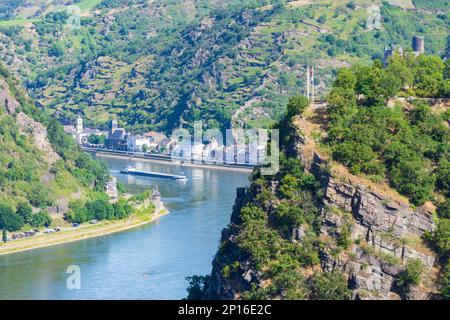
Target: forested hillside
(40,165)
(160,63)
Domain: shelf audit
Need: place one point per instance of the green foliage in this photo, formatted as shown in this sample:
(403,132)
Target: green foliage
(443,176)
(25,211)
(97,139)
(330,286)
(98,209)
(410,276)
(433,5)
(440,238)
(297,105)
(89,172)
(443,209)
(196,287)
(445,281)
(9,220)
(428,76)
(401,146)
(122,209)
(41,219)
(39,197)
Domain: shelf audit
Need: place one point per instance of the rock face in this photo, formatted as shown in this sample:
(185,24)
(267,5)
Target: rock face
(388,233)
(6,99)
(383,233)
(39,132)
(376,212)
(229,288)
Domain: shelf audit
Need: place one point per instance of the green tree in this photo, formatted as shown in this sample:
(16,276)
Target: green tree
(41,219)
(9,221)
(297,105)
(100,209)
(443,209)
(196,289)
(330,286)
(410,276)
(445,281)
(428,75)
(399,69)
(440,238)
(25,211)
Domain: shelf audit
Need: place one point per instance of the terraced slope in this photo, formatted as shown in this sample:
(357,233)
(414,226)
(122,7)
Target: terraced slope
(157,64)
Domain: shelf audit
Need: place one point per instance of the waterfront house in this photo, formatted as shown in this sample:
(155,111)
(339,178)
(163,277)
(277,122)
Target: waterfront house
(117,137)
(137,143)
(155,140)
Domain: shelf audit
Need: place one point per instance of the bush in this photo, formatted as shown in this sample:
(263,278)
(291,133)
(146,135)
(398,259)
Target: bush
(440,238)
(196,287)
(445,281)
(41,219)
(39,196)
(443,209)
(8,219)
(410,276)
(330,286)
(100,210)
(297,105)
(25,211)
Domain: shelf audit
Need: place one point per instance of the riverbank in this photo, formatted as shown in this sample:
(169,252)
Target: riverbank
(164,160)
(85,231)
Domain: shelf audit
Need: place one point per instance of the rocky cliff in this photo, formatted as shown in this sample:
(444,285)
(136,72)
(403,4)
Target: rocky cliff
(386,234)
(381,231)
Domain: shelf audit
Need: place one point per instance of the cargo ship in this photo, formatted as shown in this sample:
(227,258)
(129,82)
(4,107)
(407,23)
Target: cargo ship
(159,175)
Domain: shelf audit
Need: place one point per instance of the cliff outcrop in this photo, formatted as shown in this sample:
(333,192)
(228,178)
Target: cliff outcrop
(382,231)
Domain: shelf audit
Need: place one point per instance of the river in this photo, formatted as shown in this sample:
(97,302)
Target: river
(149,262)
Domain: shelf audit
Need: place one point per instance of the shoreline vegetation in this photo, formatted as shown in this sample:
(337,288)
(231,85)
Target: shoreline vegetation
(83,232)
(116,155)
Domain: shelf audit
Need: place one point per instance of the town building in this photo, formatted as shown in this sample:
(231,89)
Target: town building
(137,143)
(81,134)
(155,140)
(117,137)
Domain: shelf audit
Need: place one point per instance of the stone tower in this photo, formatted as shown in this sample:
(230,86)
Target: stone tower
(113,125)
(418,44)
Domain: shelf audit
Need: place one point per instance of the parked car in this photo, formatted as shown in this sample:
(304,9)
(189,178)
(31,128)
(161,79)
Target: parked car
(18,235)
(30,233)
(75,224)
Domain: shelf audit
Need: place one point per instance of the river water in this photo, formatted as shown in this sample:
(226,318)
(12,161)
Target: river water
(149,262)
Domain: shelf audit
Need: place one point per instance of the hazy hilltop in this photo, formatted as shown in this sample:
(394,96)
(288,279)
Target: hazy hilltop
(160,63)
